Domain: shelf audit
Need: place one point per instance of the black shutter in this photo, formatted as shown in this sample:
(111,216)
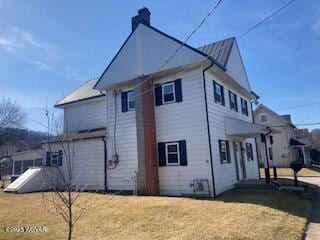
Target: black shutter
(236,102)
(248,151)
(124,101)
(178,90)
(48,155)
(228,151)
(221,161)
(60,158)
(222,95)
(251,151)
(162,154)
(158,94)
(183,153)
(214,91)
(230,102)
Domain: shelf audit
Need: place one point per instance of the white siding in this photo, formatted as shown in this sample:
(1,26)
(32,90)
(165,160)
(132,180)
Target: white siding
(85,115)
(120,178)
(87,158)
(184,120)
(225,174)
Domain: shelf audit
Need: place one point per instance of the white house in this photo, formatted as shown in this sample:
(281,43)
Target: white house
(288,145)
(180,128)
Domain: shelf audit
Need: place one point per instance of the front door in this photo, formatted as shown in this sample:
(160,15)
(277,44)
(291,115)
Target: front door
(236,159)
(242,161)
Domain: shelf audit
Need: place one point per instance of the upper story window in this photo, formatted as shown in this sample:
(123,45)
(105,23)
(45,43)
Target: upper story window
(169,92)
(233,101)
(244,107)
(263,117)
(131,100)
(128,100)
(218,93)
(224,151)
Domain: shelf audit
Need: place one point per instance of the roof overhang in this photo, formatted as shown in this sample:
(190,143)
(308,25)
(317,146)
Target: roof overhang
(296,143)
(243,129)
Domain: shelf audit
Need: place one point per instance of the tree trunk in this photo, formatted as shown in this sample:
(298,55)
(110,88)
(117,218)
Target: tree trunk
(70,224)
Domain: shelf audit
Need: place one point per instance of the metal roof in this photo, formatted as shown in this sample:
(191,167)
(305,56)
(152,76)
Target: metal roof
(84,92)
(219,50)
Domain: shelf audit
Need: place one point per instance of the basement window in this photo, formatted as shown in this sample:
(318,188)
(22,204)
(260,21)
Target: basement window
(168,91)
(131,100)
(172,153)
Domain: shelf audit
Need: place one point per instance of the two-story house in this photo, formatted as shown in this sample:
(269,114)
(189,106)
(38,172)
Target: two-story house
(155,124)
(288,145)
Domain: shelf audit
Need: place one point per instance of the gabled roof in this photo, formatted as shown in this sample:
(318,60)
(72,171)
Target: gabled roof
(84,92)
(142,45)
(281,118)
(219,50)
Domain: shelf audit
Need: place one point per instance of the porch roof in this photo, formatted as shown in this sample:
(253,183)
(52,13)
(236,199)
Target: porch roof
(240,128)
(296,143)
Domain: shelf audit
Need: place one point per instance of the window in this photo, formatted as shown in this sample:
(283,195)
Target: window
(38,162)
(172,153)
(128,101)
(224,151)
(54,158)
(17,165)
(218,93)
(249,151)
(233,101)
(244,107)
(168,91)
(27,164)
(263,117)
(131,100)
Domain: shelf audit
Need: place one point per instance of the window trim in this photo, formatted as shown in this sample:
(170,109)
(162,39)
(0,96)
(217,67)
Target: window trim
(128,102)
(246,107)
(216,86)
(167,153)
(227,147)
(173,91)
(232,94)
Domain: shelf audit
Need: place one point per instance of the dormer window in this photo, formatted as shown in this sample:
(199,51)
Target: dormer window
(233,101)
(218,93)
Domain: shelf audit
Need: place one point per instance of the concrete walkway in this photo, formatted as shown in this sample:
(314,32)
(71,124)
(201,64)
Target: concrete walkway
(313,228)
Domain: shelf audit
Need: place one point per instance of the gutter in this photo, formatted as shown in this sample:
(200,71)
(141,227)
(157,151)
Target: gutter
(208,125)
(105,164)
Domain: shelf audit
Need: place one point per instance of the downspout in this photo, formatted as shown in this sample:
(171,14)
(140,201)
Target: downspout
(105,164)
(208,125)
(255,139)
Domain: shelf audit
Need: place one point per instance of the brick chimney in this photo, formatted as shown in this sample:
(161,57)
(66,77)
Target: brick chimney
(142,17)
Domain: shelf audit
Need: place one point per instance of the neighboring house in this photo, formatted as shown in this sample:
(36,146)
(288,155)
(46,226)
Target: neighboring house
(185,128)
(288,145)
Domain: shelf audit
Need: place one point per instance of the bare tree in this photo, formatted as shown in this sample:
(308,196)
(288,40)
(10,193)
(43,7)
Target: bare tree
(65,194)
(11,117)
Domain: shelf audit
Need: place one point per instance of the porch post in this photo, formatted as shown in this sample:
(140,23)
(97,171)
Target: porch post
(304,156)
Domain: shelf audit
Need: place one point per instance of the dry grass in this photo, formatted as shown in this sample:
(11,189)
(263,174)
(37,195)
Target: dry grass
(305,172)
(238,214)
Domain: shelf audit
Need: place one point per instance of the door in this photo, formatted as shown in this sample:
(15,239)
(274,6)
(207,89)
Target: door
(242,161)
(236,159)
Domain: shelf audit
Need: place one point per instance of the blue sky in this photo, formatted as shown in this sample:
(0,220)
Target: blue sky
(48,48)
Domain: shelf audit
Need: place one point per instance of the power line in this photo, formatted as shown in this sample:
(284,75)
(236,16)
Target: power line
(266,19)
(298,106)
